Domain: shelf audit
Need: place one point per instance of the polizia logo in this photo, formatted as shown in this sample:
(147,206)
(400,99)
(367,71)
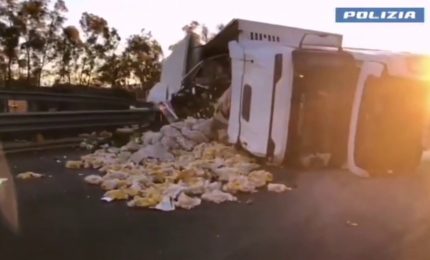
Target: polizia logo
(380,15)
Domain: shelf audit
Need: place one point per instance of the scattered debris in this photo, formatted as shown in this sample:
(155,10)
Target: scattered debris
(218,196)
(111,184)
(90,141)
(277,187)
(177,167)
(239,183)
(166,204)
(149,198)
(351,223)
(107,199)
(73,164)
(115,195)
(29,175)
(187,202)
(156,151)
(93,179)
(260,178)
(3,180)
(249,201)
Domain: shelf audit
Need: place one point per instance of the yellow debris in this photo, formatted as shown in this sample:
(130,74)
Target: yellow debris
(260,178)
(132,191)
(74,164)
(202,170)
(110,184)
(149,198)
(116,195)
(113,174)
(239,183)
(196,185)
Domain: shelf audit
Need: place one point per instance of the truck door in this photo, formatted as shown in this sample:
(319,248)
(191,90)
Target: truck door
(253,79)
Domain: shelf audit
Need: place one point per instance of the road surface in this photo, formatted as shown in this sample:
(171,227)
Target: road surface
(329,215)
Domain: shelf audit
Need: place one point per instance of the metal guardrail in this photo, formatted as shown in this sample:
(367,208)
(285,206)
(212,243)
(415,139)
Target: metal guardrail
(65,97)
(17,147)
(40,121)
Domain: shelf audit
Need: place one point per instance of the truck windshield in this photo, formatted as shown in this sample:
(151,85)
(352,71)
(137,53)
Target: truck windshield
(382,124)
(323,90)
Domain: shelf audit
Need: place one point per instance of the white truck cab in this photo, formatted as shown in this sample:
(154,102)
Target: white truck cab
(281,99)
(348,108)
(297,94)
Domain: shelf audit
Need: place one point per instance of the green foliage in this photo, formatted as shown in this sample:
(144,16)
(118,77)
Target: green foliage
(36,45)
(143,55)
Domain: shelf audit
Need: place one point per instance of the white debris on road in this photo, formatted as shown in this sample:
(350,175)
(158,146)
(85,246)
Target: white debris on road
(187,202)
(178,167)
(3,180)
(93,179)
(276,187)
(218,196)
(115,195)
(351,223)
(29,175)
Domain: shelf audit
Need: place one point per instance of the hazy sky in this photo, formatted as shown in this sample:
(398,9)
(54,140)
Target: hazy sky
(165,18)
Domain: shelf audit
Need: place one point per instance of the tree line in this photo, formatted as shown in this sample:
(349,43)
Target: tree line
(38,48)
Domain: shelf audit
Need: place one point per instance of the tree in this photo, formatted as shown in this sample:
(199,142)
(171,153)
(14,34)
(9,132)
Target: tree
(11,27)
(36,43)
(100,45)
(115,71)
(53,35)
(144,54)
(33,14)
(29,32)
(70,49)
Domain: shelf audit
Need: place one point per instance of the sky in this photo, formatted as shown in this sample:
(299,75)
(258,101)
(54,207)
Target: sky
(165,19)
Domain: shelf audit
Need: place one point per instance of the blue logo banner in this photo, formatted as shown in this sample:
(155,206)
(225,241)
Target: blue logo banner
(380,15)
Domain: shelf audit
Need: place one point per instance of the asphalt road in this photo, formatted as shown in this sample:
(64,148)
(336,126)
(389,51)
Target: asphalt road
(63,218)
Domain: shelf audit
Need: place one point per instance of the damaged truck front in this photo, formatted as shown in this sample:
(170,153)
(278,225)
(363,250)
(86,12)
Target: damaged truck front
(296,96)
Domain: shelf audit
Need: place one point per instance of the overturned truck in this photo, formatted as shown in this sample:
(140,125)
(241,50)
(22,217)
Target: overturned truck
(299,97)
